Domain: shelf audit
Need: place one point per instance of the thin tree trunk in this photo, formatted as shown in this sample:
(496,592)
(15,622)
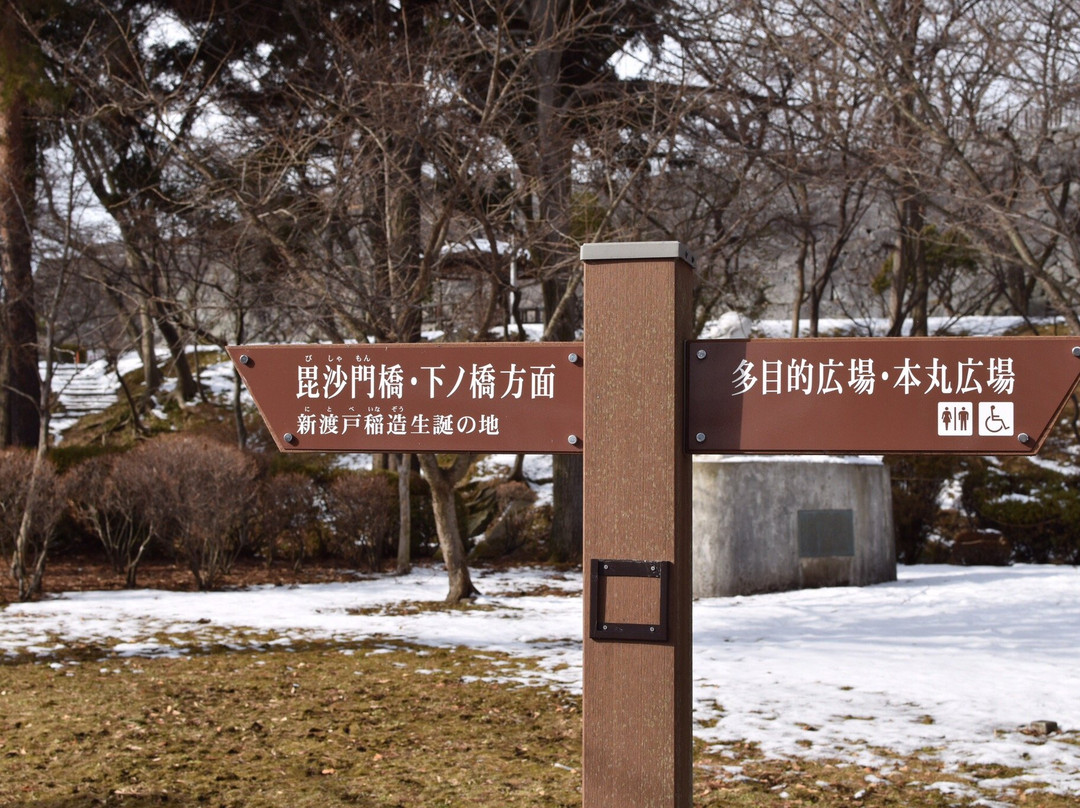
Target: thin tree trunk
(186,387)
(897,291)
(553,161)
(800,285)
(29,572)
(5,362)
(133,407)
(148,350)
(517,472)
(238,411)
(404,559)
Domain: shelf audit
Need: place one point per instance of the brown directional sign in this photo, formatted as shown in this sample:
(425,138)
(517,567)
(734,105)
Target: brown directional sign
(426,397)
(949,395)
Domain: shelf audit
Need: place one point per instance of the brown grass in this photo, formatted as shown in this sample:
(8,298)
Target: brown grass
(368,724)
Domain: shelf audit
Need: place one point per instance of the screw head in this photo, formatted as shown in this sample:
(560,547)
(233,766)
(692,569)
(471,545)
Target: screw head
(700,437)
(701,354)
(1024,438)
(289,437)
(1076,351)
(245,360)
(573,358)
(573,440)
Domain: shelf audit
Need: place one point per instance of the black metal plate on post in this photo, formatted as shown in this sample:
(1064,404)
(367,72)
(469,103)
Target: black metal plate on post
(599,629)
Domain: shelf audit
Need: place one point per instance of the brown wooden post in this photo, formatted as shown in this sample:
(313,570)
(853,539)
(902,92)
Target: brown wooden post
(637,477)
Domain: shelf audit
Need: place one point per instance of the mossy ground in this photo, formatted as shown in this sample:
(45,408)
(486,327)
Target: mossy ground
(373,724)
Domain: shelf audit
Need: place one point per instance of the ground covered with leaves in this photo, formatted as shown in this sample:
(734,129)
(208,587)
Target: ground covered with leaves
(373,724)
(368,725)
(84,573)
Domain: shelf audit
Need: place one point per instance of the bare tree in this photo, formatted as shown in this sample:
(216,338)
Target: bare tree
(994,109)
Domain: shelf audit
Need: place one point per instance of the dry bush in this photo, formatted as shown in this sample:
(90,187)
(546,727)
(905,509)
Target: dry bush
(27,558)
(286,517)
(198,496)
(363,510)
(514,525)
(109,496)
(981,548)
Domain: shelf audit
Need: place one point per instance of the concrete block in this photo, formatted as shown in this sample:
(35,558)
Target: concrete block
(749,513)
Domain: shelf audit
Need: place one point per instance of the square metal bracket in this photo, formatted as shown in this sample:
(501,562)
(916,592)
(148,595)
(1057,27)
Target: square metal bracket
(599,629)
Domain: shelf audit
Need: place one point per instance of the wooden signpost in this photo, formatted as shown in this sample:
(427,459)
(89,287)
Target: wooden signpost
(637,398)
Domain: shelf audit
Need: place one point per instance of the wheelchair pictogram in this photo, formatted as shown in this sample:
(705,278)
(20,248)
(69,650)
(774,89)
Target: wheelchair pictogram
(996,418)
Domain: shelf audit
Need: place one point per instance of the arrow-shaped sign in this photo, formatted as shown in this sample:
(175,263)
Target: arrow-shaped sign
(941,395)
(430,397)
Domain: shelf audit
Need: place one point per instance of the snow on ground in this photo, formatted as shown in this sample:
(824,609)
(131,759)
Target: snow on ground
(86,387)
(948,662)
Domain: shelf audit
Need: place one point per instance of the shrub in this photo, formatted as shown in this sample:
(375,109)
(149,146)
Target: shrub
(984,548)
(917,482)
(363,511)
(110,496)
(21,488)
(1036,509)
(198,495)
(286,519)
(67,457)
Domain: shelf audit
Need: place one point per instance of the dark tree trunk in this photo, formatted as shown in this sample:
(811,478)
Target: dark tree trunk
(553,161)
(566,514)
(565,538)
(20,389)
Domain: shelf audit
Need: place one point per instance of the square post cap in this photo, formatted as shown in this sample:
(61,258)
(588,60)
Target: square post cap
(637,250)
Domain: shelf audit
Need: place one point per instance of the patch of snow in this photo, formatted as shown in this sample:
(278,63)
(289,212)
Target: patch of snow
(957,660)
(1052,465)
